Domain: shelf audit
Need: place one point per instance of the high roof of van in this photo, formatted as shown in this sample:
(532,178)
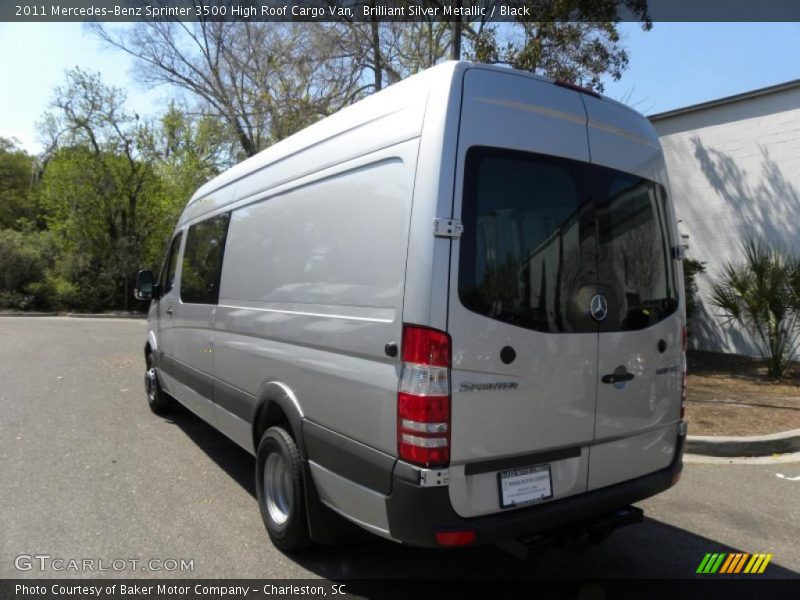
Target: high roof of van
(407,96)
(402,108)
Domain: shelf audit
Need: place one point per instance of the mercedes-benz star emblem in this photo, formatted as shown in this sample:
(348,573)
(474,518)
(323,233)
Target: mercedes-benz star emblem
(599,307)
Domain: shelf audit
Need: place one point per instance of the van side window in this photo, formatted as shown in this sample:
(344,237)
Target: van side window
(167,278)
(202,260)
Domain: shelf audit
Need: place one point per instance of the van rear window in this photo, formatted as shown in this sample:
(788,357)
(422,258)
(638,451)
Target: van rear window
(543,235)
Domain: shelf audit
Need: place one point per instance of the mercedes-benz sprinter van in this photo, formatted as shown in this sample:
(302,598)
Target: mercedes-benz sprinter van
(451,313)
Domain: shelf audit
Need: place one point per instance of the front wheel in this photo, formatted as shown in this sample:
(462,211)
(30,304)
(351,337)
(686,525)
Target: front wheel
(157,399)
(279,487)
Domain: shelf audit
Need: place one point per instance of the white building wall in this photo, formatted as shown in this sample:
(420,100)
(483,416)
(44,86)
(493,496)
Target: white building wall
(734,171)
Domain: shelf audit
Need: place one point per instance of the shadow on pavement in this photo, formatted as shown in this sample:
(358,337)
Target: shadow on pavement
(231,458)
(652,550)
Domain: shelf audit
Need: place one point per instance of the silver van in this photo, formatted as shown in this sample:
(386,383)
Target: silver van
(450,314)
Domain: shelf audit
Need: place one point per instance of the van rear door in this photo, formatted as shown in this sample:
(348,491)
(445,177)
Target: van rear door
(641,359)
(524,371)
(563,303)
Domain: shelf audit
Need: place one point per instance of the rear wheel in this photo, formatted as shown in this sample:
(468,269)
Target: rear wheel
(279,487)
(158,400)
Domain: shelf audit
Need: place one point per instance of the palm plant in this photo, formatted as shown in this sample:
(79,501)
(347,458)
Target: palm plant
(762,295)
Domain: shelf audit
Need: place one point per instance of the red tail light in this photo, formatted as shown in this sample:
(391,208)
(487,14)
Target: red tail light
(455,538)
(425,346)
(684,338)
(423,397)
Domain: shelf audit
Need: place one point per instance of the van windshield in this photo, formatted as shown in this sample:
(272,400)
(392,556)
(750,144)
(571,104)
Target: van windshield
(543,235)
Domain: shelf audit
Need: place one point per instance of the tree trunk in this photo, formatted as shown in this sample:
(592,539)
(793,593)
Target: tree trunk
(245,142)
(456,46)
(377,58)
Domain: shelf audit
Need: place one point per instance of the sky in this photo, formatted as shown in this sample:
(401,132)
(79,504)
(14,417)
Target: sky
(673,65)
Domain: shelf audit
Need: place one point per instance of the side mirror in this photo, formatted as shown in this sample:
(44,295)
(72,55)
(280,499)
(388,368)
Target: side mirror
(146,287)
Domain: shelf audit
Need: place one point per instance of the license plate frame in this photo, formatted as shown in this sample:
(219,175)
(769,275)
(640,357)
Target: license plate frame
(511,499)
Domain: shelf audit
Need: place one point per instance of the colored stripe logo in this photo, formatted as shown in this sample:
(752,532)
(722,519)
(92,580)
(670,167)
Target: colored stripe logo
(733,563)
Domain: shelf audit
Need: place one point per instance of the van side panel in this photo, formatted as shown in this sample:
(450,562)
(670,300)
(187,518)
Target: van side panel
(191,364)
(391,117)
(311,292)
(429,256)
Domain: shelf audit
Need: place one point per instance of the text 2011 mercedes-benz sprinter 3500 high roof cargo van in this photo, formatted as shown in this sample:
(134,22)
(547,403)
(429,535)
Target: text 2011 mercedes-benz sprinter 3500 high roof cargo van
(451,313)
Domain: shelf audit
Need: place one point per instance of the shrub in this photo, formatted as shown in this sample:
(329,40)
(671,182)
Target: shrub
(16,301)
(53,292)
(21,261)
(691,268)
(27,260)
(762,295)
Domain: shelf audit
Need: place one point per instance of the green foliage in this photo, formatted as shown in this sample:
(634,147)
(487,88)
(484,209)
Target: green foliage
(20,260)
(89,208)
(266,82)
(263,81)
(691,269)
(25,260)
(16,179)
(77,222)
(110,204)
(108,196)
(186,150)
(763,296)
(569,39)
(56,293)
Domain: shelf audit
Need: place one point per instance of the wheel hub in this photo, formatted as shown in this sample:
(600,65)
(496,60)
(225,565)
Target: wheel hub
(150,382)
(277,488)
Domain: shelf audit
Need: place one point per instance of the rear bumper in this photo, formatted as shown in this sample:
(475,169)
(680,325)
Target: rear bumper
(416,513)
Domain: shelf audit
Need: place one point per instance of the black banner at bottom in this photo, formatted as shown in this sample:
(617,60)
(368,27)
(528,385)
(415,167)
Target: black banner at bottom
(263,589)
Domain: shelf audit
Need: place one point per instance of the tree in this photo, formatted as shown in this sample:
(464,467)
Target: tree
(267,80)
(17,176)
(569,39)
(419,45)
(380,52)
(186,149)
(25,257)
(100,197)
(763,296)
(264,81)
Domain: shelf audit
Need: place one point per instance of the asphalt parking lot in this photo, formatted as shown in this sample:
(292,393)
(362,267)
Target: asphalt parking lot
(88,472)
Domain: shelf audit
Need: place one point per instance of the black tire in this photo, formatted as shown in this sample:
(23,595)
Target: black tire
(157,399)
(282,505)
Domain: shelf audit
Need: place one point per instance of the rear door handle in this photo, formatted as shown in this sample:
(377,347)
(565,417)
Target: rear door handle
(170,311)
(617,377)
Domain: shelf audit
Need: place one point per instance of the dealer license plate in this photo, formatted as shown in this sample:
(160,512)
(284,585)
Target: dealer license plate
(528,485)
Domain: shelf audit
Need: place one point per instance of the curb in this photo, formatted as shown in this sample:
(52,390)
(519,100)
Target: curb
(105,316)
(28,314)
(755,445)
